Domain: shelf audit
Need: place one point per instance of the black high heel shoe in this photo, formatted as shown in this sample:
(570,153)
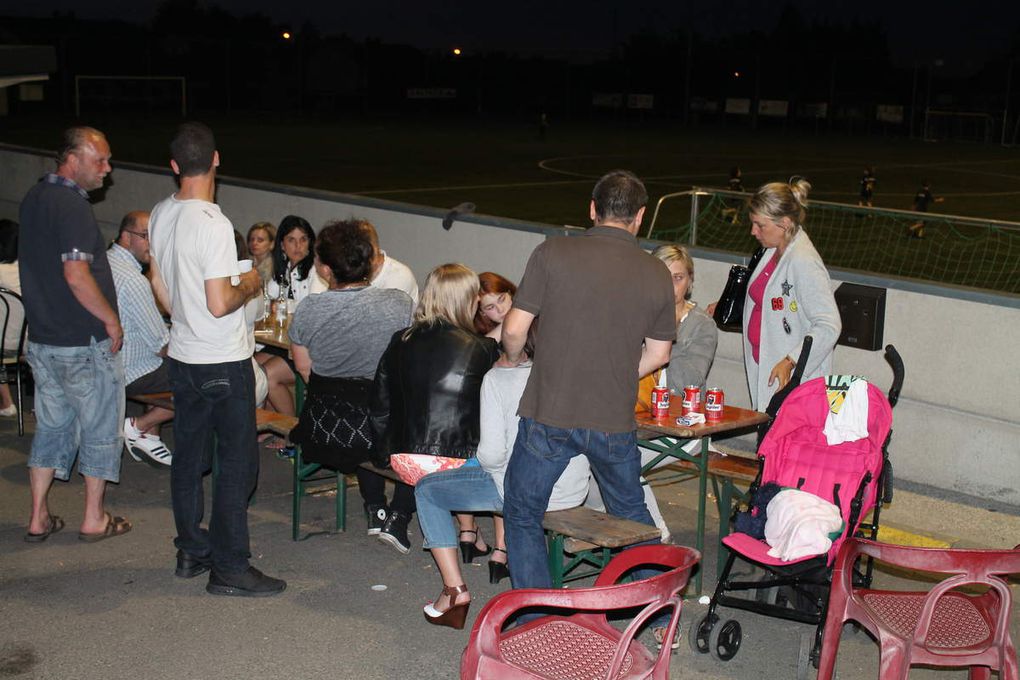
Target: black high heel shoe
(498,570)
(469,551)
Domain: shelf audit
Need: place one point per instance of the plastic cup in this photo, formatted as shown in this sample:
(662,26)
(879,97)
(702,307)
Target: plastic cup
(244,265)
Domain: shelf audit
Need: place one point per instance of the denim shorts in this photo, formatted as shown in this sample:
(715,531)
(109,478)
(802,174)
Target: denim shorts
(79,409)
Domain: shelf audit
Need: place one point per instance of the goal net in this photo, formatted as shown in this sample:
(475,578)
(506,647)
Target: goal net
(957,126)
(954,250)
(130,94)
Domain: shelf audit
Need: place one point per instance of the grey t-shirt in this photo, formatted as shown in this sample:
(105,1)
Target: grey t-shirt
(346,331)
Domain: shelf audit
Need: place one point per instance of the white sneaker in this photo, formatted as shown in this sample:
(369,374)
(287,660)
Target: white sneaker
(10,411)
(131,435)
(151,447)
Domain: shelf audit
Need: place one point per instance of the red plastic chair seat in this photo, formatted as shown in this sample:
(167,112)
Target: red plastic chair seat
(584,645)
(562,649)
(942,626)
(757,550)
(956,623)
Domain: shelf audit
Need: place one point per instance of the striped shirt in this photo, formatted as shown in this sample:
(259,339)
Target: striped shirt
(145,334)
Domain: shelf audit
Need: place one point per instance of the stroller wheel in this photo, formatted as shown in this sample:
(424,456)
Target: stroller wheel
(701,629)
(724,641)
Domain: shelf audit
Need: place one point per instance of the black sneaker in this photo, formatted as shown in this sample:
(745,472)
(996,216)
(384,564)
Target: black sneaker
(377,515)
(250,583)
(190,566)
(394,532)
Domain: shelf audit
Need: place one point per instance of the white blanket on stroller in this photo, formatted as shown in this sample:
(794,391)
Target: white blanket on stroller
(799,524)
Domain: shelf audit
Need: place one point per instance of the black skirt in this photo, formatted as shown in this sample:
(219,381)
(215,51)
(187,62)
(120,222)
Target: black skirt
(334,429)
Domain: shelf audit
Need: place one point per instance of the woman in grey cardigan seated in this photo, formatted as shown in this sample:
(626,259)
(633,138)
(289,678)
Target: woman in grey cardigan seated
(789,295)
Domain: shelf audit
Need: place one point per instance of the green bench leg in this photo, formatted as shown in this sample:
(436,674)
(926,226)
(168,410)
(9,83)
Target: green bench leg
(341,501)
(555,543)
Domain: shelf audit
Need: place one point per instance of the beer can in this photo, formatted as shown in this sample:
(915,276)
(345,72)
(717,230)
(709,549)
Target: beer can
(715,399)
(660,403)
(692,400)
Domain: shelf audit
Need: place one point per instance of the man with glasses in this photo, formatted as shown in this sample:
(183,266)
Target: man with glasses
(145,337)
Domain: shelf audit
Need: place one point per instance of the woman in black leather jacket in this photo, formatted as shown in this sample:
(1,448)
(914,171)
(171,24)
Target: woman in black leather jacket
(427,386)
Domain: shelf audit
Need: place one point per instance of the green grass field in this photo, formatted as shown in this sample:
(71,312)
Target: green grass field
(505,170)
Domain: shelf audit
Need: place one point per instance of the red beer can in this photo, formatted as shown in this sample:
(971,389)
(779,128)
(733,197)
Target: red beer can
(660,403)
(692,400)
(715,399)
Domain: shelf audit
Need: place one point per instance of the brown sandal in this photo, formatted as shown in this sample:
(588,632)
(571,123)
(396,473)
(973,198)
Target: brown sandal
(456,615)
(115,526)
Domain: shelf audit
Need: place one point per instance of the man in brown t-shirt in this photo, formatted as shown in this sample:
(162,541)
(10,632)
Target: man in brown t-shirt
(607,319)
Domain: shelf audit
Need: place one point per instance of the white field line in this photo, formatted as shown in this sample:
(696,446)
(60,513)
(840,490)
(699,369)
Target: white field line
(676,180)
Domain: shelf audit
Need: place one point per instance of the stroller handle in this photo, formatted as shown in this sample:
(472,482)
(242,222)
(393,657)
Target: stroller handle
(798,373)
(896,362)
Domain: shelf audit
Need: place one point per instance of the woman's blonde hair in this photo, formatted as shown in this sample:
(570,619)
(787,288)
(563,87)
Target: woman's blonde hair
(777,200)
(450,294)
(671,253)
(264,226)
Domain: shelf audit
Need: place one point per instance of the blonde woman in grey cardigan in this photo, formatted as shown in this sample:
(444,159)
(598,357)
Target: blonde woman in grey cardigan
(789,295)
(696,335)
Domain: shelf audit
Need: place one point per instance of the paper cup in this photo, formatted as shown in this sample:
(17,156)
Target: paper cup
(244,266)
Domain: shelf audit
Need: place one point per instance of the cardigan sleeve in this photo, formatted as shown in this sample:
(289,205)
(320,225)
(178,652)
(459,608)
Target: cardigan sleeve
(824,324)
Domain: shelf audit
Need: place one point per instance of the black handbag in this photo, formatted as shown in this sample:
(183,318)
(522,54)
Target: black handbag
(729,311)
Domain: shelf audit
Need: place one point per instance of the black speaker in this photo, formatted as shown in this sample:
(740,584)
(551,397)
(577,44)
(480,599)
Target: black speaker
(862,310)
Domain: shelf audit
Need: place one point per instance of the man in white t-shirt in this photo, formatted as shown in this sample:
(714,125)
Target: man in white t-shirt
(194,261)
(387,272)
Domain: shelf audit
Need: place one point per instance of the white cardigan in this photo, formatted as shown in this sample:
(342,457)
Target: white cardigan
(802,283)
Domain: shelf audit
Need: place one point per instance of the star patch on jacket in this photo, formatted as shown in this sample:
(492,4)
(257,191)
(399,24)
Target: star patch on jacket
(787,287)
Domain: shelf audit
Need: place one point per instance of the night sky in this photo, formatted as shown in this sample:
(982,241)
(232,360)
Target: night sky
(963,34)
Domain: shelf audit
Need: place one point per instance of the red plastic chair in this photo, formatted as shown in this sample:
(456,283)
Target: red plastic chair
(940,627)
(583,646)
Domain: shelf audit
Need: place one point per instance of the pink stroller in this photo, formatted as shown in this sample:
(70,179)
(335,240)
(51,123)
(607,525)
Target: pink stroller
(853,476)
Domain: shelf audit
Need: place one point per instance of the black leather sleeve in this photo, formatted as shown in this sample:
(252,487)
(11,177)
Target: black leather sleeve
(379,406)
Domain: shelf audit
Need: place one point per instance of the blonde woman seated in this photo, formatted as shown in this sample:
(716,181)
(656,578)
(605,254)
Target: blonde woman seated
(479,488)
(426,391)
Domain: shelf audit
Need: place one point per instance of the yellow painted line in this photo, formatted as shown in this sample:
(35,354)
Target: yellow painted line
(888,534)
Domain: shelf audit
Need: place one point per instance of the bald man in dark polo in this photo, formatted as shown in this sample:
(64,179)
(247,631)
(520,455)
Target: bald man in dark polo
(607,318)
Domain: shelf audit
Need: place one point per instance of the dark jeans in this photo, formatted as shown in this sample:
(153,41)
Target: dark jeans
(214,400)
(540,455)
(373,491)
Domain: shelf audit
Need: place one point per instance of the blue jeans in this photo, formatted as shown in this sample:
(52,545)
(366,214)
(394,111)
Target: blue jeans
(214,400)
(540,455)
(464,489)
(79,409)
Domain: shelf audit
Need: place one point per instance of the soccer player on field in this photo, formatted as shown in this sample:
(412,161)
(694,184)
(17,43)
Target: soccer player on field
(922,199)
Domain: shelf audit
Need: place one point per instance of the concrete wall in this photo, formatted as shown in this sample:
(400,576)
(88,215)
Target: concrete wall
(957,425)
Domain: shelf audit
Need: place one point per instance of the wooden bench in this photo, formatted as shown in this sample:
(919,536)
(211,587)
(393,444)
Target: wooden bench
(576,537)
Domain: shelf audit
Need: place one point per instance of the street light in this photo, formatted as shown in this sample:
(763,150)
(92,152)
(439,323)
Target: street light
(456,51)
(285,35)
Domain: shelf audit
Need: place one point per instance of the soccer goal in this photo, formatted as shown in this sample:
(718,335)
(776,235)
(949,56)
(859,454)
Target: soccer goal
(957,126)
(149,94)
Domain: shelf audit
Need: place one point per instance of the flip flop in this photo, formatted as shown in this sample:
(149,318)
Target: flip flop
(56,524)
(115,526)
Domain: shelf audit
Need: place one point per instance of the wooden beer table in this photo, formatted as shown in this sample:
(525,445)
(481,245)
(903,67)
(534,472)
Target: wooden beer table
(668,438)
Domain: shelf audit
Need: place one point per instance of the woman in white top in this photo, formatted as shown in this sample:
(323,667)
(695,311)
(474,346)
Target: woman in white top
(293,261)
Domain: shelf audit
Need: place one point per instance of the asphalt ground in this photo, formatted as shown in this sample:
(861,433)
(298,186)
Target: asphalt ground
(114,610)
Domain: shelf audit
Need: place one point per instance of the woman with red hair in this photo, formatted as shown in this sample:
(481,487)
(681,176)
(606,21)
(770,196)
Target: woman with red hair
(495,297)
